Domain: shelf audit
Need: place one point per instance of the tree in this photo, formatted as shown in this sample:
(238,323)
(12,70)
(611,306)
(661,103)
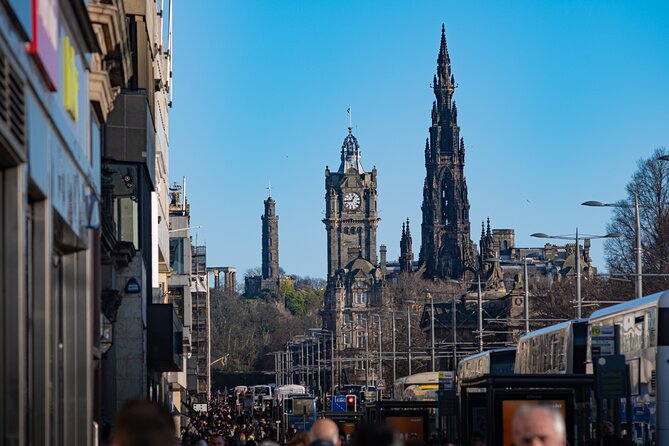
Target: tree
(651,183)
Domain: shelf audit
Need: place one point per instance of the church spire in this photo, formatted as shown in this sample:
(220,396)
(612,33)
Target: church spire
(443,62)
(406,249)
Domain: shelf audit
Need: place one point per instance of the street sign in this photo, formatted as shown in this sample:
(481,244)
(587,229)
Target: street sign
(603,341)
(611,377)
(339,403)
(445,380)
(380,384)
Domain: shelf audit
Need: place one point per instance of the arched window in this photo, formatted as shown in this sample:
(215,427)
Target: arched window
(346,230)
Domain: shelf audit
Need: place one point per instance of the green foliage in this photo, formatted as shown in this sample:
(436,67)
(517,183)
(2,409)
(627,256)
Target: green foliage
(300,302)
(247,329)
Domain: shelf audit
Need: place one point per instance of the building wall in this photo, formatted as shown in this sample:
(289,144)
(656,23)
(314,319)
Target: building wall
(48,178)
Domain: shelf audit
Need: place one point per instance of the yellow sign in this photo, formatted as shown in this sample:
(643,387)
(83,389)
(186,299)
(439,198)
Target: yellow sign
(70,80)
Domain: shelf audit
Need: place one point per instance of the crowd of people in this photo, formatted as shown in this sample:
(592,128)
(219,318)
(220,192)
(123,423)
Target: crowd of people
(142,423)
(224,421)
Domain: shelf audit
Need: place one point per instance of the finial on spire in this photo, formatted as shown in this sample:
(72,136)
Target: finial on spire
(350,120)
(408,229)
(269,189)
(488,228)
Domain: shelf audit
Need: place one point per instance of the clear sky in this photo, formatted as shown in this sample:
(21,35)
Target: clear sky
(556,103)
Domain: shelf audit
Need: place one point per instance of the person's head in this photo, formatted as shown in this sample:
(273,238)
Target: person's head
(536,425)
(216,440)
(324,432)
(143,423)
(301,439)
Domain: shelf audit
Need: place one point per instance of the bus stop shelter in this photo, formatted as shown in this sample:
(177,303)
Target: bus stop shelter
(488,404)
(409,419)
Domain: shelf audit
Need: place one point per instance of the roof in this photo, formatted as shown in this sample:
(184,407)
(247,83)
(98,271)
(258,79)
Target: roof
(350,154)
(662,296)
(554,327)
(360,264)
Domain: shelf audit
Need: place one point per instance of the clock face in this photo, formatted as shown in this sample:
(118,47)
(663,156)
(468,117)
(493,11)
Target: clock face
(351,201)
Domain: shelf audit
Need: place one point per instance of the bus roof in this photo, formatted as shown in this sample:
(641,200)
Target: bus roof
(551,328)
(661,299)
(421,378)
(488,352)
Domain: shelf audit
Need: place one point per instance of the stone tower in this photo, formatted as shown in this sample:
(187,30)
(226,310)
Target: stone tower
(447,250)
(350,209)
(406,249)
(356,283)
(270,242)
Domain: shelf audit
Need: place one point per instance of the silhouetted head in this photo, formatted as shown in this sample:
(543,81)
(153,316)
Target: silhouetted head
(143,423)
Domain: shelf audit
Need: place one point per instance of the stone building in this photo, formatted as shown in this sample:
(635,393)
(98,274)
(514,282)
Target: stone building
(447,250)
(145,334)
(355,283)
(199,377)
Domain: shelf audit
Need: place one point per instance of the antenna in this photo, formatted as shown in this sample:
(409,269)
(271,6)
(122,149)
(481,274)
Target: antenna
(269,188)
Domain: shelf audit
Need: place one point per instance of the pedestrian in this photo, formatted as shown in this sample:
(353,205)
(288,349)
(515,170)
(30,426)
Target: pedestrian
(143,423)
(537,425)
(216,440)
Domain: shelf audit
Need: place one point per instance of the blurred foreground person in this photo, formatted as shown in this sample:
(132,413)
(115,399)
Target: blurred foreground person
(375,434)
(535,425)
(143,423)
(216,440)
(324,432)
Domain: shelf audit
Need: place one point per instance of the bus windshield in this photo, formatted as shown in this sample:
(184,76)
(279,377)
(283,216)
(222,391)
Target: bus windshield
(302,406)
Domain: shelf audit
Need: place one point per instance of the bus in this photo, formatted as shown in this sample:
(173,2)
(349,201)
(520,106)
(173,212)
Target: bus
(643,326)
(262,394)
(499,361)
(424,381)
(556,349)
(303,414)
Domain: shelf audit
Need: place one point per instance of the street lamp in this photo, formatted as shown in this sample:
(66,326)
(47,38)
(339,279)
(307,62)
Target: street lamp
(637,223)
(380,348)
(409,303)
(392,313)
(429,296)
(578,258)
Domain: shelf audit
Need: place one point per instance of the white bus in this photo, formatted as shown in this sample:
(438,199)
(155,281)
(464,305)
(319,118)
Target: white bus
(644,340)
(423,381)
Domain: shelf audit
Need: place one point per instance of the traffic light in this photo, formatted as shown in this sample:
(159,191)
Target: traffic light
(351,405)
(288,406)
(363,396)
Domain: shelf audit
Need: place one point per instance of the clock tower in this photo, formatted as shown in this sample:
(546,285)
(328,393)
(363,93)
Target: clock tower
(350,209)
(356,284)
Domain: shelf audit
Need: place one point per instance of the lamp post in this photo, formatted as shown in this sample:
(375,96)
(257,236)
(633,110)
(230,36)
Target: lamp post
(409,303)
(479,300)
(366,353)
(392,313)
(429,296)
(637,223)
(578,258)
(380,348)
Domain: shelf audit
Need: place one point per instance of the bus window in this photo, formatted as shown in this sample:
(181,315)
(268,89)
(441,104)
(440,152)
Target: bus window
(300,405)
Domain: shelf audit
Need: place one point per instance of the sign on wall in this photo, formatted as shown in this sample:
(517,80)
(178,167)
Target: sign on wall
(44,43)
(70,80)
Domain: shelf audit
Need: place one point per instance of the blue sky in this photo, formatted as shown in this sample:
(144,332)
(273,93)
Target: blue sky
(556,102)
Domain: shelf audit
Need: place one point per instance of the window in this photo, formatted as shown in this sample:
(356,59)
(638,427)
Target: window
(347,338)
(347,318)
(361,339)
(177,255)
